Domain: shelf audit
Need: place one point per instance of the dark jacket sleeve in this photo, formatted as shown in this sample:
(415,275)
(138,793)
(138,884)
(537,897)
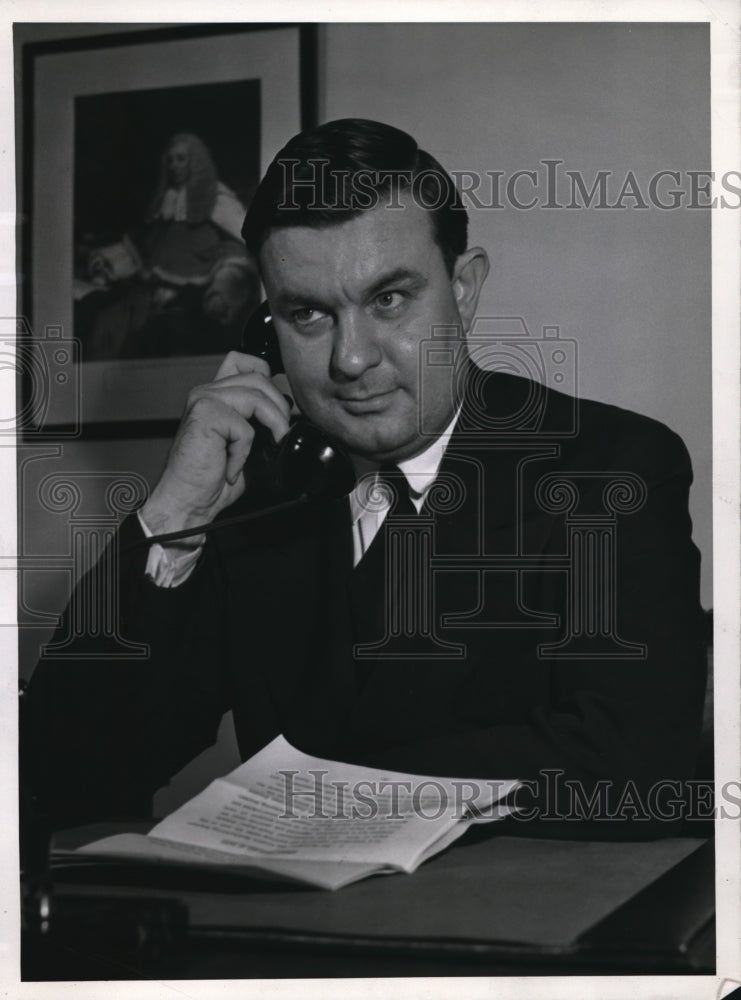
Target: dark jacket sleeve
(631,723)
(108,719)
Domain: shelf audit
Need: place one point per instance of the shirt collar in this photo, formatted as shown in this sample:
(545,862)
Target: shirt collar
(420,471)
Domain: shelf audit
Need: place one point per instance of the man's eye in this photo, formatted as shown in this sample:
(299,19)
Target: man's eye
(389,300)
(306,315)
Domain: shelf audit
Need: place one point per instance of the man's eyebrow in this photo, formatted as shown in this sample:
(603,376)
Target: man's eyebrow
(285,299)
(399,275)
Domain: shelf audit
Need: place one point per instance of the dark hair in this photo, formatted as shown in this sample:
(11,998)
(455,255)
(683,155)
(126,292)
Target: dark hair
(333,172)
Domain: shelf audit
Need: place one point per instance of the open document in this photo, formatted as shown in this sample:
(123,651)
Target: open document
(286,815)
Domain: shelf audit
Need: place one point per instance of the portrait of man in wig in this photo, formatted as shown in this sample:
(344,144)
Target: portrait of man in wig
(180,282)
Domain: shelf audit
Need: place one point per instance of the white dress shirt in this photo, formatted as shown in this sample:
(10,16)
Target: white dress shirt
(172,567)
(168,567)
(420,473)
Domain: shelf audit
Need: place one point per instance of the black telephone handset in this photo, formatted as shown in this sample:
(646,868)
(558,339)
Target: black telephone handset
(260,339)
(306,466)
(306,462)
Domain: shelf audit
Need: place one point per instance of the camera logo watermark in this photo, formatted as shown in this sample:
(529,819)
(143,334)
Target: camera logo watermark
(514,395)
(500,344)
(47,381)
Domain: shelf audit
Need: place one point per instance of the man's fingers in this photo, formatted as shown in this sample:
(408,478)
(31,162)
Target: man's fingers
(245,403)
(227,424)
(253,380)
(236,363)
(217,421)
(238,449)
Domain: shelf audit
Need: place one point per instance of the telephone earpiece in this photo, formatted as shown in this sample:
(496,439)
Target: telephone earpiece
(305,461)
(260,339)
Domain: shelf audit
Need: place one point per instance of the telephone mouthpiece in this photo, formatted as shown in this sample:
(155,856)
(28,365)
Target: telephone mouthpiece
(307,462)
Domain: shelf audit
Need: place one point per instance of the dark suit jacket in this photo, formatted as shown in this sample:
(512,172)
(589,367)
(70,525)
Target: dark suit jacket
(265,626)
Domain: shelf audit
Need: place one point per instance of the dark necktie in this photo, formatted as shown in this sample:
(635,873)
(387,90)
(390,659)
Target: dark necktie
(372,584)
(397,485)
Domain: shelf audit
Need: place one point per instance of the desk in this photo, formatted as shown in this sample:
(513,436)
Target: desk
(499,905)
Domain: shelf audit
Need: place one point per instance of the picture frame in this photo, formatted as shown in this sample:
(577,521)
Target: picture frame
(100,113)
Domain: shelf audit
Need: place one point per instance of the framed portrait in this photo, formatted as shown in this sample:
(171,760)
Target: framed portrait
(141,154)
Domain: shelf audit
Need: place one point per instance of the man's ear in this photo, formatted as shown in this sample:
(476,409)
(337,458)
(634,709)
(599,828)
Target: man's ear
(469,274)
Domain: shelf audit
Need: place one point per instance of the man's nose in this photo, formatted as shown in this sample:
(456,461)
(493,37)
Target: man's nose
(356,346)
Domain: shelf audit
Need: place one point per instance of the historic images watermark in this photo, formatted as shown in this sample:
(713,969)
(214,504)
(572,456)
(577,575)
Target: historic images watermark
(549,797)
(547,185)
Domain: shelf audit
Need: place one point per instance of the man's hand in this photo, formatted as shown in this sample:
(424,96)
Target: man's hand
(203,474)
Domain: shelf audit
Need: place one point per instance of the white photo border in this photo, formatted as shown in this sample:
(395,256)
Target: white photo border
(723,16)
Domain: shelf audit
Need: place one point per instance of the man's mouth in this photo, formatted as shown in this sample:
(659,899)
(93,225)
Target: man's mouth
(366,402)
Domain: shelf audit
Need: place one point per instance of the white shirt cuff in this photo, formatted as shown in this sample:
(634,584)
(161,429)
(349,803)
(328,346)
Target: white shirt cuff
(164,568)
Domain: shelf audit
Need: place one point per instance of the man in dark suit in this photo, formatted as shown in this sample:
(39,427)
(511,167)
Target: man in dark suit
(511,590)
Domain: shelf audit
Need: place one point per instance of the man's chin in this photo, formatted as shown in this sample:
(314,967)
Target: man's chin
(384,448)
(375,437)
(371,444)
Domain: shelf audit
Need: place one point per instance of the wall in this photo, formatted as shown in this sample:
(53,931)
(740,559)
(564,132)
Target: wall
(631,287)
